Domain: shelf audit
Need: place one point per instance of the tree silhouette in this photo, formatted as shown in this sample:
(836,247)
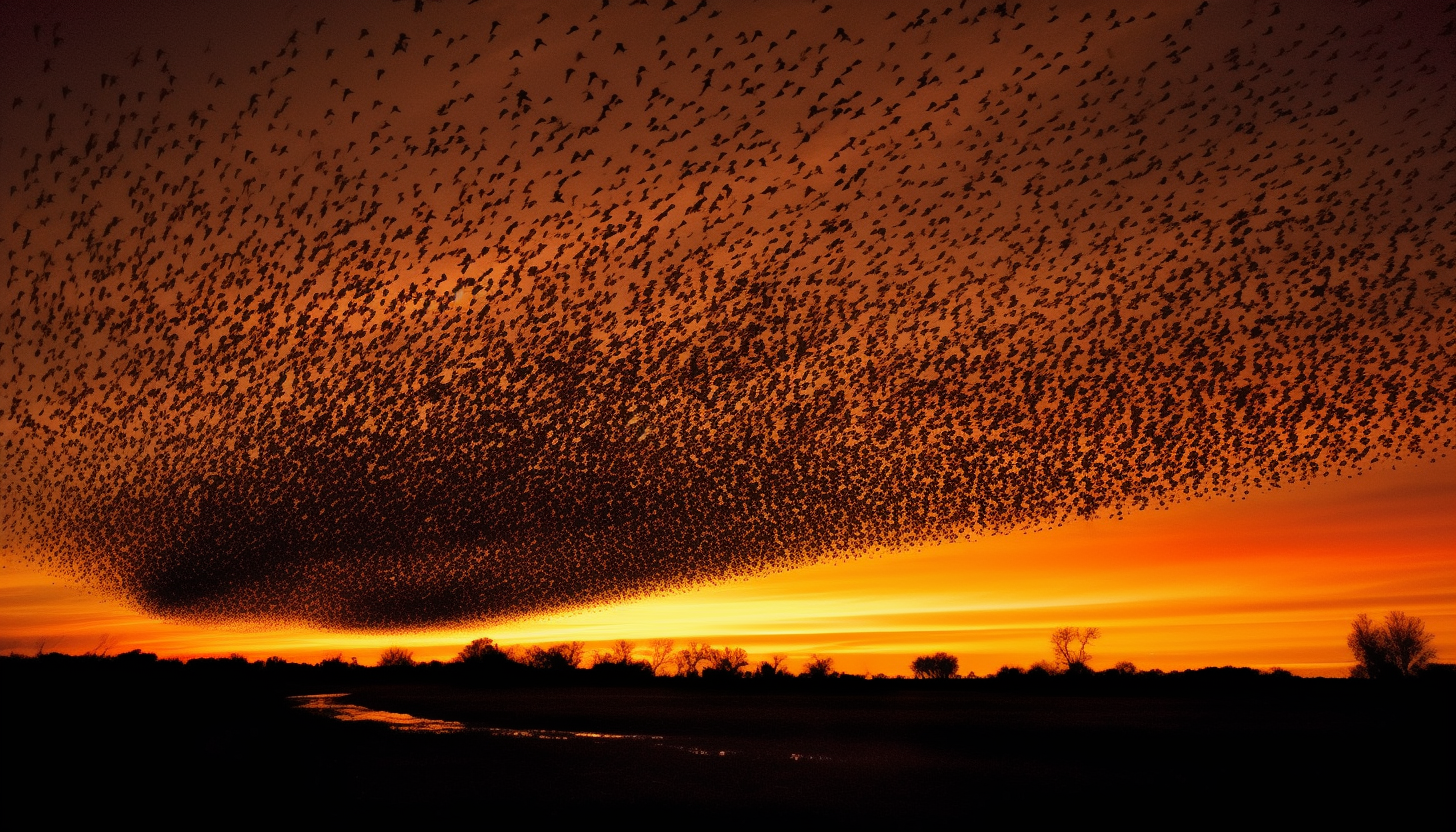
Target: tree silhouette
(484,653)
(775,667)
(396,657)
(477,650)
(729,659)
(621,653)
(689,658)
(661,654)
(819,668)
(1399,648)
(565,656)
(935,666)
(1069,647)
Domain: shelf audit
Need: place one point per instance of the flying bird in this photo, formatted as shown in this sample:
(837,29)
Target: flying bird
(807,281)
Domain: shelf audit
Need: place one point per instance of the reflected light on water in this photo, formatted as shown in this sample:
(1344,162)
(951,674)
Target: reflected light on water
(329,704)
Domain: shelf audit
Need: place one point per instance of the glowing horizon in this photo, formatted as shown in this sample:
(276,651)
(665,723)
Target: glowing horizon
(330,326)
(1269,581)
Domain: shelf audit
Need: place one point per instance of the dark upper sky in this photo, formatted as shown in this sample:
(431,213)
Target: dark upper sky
(398,314)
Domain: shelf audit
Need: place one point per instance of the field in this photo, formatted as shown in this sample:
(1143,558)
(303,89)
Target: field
(230,749)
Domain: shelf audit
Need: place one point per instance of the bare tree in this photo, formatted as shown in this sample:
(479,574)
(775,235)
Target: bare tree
(935,666)
(1069,646)
(690,657)
(564,656)
(621,652)
(1399,648)
(661,654)
(396,657)
(728,660)
(1408,645)
(819,668)
(572,652)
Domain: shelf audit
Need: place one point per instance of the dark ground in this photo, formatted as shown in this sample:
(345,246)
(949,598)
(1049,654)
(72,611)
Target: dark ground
(222,747)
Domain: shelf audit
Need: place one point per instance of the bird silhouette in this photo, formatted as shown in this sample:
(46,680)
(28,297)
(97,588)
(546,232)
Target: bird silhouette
(569,318)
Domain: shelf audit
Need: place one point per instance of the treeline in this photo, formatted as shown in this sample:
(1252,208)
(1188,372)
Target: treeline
(661,658)
(553,666)
(1400,648)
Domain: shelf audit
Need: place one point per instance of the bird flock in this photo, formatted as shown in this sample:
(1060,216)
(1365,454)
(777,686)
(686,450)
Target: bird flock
(392,315)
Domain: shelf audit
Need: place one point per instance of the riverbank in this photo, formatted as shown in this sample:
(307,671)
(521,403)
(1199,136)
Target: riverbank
(101,744)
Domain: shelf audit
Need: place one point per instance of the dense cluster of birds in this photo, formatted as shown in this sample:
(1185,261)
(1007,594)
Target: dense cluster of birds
(425,313)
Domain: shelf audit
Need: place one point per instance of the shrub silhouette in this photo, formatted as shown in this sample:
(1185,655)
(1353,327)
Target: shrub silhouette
(397,657)
(478,650)
(1399,648)
(484,655)
(1042,670)
(558,657)
(775,668)
(935,666)
(819,668)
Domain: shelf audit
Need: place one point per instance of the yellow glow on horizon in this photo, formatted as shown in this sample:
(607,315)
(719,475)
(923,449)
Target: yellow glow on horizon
(1272,580)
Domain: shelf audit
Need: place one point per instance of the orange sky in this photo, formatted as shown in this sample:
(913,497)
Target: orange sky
(1270,581)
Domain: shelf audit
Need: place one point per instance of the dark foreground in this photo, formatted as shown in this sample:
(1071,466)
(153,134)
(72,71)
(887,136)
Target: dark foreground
(99,744)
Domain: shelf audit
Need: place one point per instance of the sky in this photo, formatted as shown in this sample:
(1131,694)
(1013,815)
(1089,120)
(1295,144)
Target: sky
(856,329)
(1269,581)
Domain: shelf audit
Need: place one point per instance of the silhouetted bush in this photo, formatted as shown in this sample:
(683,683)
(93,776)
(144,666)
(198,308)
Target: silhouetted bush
(1397,649)
(396,657)
(557,658)
(819,668)
(775,668)
(135,657)
(935,666)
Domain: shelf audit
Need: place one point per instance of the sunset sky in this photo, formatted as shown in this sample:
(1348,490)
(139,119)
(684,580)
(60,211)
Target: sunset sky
(1270,581)
(852,329)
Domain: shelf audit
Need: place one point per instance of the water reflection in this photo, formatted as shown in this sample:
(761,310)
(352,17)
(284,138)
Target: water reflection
(331,705)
